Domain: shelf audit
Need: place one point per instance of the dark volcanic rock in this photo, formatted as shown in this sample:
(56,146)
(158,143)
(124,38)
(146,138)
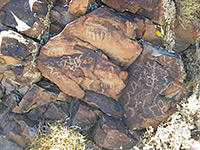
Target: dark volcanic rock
(19,129)
(83,116)
(60,17)
(106,104)
(37,96)
(28,17)
(154,86)
(110,133)
(70,64)
(18,56)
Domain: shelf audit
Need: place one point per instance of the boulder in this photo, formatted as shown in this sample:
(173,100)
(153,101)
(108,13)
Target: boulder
(111,134)
(73,64)
(154,86)
(109,31)
(37,96)
(18,56)
(20,130)
(28,17)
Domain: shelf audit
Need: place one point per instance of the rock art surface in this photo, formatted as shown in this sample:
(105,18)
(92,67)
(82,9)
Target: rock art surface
(30,17)
(113,69)
(17,58)
(74,67)
(154,87)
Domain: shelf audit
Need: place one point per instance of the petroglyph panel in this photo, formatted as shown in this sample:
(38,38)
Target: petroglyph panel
(80,68)
(146,98)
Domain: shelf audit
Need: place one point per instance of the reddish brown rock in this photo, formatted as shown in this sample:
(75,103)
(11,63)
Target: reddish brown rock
(110,133)
(28,17)
(107,105)
(72,64)
(154,87)
(18,56)
(110,32)
(37,96)
(20,130)
(78,7)
(83,116)
(60,17)
(186,34)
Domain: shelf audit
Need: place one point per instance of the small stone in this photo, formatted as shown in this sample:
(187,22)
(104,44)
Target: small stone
(154,86)
(110,133)
(78,7)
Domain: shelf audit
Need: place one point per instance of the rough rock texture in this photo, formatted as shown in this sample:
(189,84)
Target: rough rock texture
(105,104)
(111,134)
(28,17)
(78,7)
(108,31)
(17,58)
(37,96)
(20,130)
(83,116)
(154,86)
(60,17)
(69,64)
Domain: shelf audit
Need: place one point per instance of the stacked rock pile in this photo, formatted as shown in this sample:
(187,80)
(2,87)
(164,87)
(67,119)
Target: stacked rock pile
(107,65)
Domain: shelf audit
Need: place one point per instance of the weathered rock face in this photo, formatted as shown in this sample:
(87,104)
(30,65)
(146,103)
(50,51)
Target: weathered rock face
(111,134)
(60,17)
(18,56)
(154,86)
(20,130)
(105,104)
(84,116)
(78,7)
(28,17)
(37,96)
(72,66)
(108,31)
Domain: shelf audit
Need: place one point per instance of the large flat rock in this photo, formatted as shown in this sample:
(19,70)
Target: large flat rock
(154,86)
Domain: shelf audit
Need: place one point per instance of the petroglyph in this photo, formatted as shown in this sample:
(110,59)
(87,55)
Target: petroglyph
(71,63)
(97,32)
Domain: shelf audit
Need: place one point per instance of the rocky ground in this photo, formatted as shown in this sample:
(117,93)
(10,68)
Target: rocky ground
(113,70)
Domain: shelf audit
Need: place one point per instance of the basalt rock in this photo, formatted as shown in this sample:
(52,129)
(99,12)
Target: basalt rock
(37,96)
(28,17)
(105,104)
(78,7)
(19,129)
(84,116)
(71,65)
(17,58)
(110,133)
(60,17)
(154,86)
(110,32)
